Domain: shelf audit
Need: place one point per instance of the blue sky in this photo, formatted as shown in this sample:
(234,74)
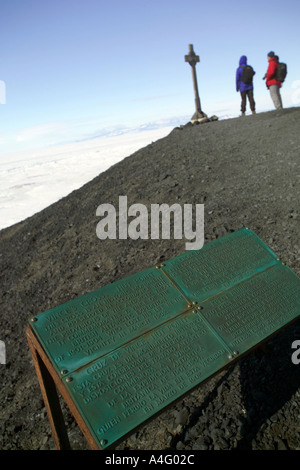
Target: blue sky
(73,67)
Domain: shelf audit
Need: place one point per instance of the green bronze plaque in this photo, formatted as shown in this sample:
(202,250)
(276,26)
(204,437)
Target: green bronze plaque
(131,348)
(220,264)
(134,382)
(85,328)
(251,311)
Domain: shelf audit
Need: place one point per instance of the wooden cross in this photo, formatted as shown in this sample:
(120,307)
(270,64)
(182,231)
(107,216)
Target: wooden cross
(192,59)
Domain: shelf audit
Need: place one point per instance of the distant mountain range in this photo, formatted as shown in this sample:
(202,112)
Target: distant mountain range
(117,130)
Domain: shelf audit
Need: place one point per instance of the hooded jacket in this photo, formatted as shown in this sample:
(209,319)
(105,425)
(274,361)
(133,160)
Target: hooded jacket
(240,85)
(270,78)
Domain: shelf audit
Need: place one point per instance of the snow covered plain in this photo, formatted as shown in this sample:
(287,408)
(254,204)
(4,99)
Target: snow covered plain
(31,181)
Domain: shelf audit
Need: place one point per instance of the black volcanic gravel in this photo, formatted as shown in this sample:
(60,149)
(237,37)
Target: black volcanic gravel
(246,171)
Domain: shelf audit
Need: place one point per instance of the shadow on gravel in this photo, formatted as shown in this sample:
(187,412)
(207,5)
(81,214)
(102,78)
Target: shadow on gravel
(269,379)
(194,417)
(262,385)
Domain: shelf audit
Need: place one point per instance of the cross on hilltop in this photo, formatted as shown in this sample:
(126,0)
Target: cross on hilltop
(192,59)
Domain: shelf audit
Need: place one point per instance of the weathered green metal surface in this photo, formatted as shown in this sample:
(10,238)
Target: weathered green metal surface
(123,389)
(251,311)
(220,264)
(129,349)
(92,325)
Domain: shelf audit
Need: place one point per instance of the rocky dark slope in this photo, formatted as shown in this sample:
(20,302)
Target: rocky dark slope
(247,173)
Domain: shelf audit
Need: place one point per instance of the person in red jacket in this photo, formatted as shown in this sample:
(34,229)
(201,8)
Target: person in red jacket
(272,84)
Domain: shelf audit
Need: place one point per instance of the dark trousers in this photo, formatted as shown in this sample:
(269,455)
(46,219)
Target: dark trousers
(244,95)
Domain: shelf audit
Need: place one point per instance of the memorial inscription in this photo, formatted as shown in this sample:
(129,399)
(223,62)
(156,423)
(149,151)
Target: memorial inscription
(105,319)
(147,374)
(203,273)
(252,310)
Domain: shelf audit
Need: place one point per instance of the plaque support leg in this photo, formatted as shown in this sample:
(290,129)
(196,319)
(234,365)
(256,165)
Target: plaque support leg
(51,400)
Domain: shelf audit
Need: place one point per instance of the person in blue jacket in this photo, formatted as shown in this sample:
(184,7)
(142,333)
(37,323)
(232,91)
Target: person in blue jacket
(246,89)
